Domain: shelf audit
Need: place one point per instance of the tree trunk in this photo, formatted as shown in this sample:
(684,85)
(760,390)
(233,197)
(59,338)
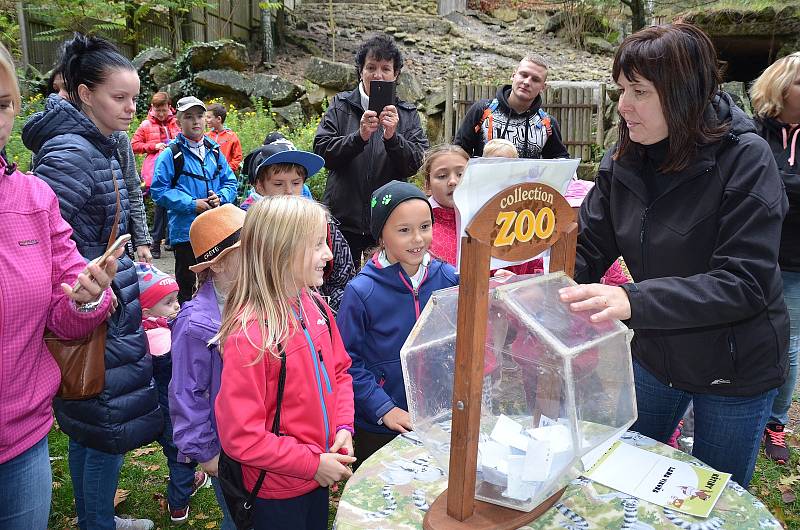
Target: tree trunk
(638,14)
(267,43)
(132,28)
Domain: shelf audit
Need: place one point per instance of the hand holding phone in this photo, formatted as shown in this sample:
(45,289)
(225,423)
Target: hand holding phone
(97,271)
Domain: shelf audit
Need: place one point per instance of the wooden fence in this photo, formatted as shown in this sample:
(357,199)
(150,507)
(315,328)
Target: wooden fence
(575,107)
(229,19)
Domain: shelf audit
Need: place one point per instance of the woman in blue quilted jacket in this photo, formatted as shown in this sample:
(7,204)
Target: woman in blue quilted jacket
(74,148)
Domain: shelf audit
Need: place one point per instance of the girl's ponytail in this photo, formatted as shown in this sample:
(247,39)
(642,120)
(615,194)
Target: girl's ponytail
(88,60)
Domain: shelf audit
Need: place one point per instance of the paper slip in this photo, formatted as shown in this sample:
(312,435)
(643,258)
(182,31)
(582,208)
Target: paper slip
(558,435)
(679,486)
(491,453)
(508,432)
(538,461)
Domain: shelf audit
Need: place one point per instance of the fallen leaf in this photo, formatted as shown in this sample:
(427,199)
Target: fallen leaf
(211,525)
(201,516)
(144,451)
(120,496)
(56,485)
(788,481)
(154,467)
(162,502)
(789,497)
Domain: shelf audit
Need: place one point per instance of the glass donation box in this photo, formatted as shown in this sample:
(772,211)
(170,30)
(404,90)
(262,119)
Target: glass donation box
(555,387)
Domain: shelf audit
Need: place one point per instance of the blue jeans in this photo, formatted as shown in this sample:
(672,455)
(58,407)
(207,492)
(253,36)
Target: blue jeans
(95,475)
(227,522)
(181,474)
(26,485)
(791,294)
(727,430)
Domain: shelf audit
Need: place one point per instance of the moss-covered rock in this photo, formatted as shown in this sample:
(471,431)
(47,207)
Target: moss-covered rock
(747,22)
(241,88)
(331,74)
(219,55)
(289,115)
(150,57)
(164,73)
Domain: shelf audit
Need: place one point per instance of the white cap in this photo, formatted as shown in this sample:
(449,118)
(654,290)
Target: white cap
(189,102)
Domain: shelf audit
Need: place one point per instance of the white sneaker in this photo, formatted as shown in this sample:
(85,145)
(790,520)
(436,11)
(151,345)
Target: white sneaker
(133,524)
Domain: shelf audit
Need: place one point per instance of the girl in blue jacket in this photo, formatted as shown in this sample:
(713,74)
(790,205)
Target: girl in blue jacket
(395,283)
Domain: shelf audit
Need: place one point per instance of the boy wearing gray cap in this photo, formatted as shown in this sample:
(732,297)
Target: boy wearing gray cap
(190,177)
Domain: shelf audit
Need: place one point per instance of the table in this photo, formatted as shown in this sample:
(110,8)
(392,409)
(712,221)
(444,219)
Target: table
(394,488)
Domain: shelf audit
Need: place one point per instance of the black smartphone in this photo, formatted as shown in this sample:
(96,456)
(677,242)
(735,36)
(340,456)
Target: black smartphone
(381,94)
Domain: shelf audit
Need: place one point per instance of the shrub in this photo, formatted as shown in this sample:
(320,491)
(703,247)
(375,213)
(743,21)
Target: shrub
(251,125)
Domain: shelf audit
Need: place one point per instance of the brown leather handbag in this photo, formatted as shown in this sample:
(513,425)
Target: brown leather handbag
(82,361)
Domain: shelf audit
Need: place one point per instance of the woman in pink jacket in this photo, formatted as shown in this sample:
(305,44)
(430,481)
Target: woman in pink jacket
(153,136)
(35,251)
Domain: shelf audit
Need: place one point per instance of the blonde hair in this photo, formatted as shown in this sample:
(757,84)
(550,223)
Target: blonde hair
(535,58)
(433,153)
(277,232)
(500,147)
(769,91)
(7,65)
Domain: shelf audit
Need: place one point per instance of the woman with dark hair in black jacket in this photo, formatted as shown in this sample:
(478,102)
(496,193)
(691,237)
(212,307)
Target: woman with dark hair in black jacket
(692,199)
(364,149)
(75,154)
(776,104)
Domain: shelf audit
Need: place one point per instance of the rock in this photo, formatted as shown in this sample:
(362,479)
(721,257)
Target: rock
(434,128)
(435,102)
(330,74)
(738,92)
(150,57)
(177,89)
(410,40)
(228,83)
(240,87)
(611,137)
(290,115)
(315,98)
(163,73)
(612,91)
(400,35)
(506,14)
(390,29)
(587,170)
(555,23)
(408,88)
(219,55)
(274,89)
(598,45)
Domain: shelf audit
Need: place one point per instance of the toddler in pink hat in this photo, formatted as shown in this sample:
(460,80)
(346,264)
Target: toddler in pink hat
(158,295)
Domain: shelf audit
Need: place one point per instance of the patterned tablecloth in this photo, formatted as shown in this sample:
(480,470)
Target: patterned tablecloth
(394,488)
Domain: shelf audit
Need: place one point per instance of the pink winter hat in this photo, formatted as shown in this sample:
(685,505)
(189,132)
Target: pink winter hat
(153,284)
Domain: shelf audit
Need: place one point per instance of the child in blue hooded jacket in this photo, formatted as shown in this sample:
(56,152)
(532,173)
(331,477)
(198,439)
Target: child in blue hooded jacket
(380,307)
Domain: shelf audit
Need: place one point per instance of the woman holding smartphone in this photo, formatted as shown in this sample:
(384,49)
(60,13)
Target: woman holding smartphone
(74,154)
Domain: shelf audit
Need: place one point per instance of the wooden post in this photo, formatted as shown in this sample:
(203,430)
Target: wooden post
(473,307)
(601,116)
(23,35)
(449,130)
